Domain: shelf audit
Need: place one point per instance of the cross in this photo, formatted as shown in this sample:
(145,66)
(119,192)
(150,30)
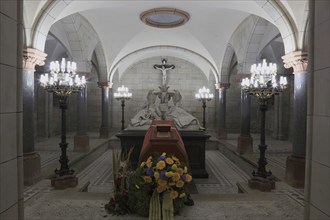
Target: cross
(164,68)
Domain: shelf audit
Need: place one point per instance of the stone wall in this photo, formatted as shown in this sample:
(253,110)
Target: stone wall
(11,110)
(317,193)
(141,77)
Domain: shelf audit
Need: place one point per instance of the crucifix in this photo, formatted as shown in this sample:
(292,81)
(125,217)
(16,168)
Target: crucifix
(164,69)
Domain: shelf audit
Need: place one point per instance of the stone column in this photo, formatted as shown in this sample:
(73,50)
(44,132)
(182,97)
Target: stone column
(278,117)
(245,141)
(222,110)
(104,130)
(295,163)
(32,167)
(81,139)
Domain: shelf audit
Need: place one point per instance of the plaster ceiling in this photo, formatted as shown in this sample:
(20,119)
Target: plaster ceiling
(121,32)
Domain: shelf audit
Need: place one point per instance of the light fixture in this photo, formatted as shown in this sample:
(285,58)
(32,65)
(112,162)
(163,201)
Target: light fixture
(263,85)
(204,96)
(63,81)
(122,95)
(263,82)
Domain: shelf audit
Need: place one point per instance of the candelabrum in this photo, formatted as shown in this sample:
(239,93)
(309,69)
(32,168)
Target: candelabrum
(204,96)
(263,85)
(63,81)
(122,95)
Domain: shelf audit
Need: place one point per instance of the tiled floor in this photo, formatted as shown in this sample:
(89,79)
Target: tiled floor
(216,197)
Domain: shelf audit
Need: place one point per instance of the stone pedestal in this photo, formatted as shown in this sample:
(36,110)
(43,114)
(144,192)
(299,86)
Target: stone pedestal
(32,169)
(63,182)
(81,143)
(295,171)
(262,184)
(244,145)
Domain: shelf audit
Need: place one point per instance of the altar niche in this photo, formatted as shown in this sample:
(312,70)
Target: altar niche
(165,104)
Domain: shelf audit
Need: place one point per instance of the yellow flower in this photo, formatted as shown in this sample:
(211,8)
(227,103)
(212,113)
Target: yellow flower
(170,189)
(175,177)
(171,183)
(174,167)
(182,195)
(169,161)
(180,171)
(188,178)
(185,169)
(156,175)
(164,154)
(175,159)
(161,182)
(169,174)
(161,189)
(147,179)
(174,194)
(179,184)
(149,163)
(142,164)
(160,165)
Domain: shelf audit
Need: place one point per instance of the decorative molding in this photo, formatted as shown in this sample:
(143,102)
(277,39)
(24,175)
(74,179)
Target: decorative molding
(33,57)
(105,84)
(298,60)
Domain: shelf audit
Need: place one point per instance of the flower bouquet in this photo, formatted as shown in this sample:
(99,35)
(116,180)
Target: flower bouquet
(158,183)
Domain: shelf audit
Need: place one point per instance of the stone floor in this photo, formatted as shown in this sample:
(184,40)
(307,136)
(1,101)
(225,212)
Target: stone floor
(216,197)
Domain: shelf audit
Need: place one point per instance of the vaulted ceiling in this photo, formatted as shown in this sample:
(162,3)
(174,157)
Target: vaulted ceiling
(205,36)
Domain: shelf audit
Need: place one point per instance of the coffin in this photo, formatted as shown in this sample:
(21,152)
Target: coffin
(163,136)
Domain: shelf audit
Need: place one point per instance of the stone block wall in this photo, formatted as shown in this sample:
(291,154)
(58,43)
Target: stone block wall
(186,78)
(317,192)
(11,110)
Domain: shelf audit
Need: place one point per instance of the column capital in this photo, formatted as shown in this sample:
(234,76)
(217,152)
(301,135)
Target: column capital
(33,57)
(105,84)
(224,85)
(298,60)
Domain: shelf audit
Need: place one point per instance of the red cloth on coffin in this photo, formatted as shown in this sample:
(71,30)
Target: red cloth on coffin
(163,136)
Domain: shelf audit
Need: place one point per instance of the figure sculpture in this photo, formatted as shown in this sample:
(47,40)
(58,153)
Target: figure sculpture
(163,109)
(149,111)
(164,68)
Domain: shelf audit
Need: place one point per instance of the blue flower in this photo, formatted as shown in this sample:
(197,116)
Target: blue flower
(183,177)
(162,175)
(149,171)
(161,158)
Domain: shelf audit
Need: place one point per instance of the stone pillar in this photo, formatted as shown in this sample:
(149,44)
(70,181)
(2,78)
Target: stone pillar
(295,163)
(104,130)
(245,141)
(222,110)
(278,118)
(32,167)
(81,139)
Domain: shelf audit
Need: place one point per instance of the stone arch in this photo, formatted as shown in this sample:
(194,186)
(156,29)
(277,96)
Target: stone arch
(179,52)
(226,64)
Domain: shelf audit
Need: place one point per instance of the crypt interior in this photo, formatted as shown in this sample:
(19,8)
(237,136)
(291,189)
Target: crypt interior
(164,52)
